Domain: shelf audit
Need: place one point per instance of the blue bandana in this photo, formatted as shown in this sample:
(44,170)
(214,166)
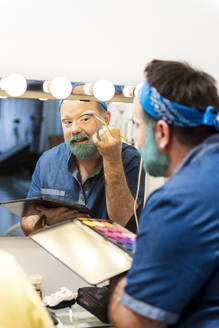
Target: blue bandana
(175,114)
(75,84)
(104,104)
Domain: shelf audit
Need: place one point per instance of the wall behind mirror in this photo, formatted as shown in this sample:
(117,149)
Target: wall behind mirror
(105,39)
(28,128)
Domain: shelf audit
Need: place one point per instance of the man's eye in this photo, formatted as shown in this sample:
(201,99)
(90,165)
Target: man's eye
(84,119)
(67,123)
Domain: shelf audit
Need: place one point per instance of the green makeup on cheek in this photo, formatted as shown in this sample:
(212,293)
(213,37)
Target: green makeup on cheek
(154,161)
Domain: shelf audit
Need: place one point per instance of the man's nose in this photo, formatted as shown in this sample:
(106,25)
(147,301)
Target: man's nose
(75,127)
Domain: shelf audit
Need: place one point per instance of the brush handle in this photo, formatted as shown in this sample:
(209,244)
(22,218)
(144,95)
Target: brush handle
(106,125)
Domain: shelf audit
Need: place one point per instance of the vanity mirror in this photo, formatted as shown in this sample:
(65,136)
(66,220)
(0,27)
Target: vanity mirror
(30,124)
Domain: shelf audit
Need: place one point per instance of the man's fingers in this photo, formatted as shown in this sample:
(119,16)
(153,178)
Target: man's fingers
(106,135)
(95,139)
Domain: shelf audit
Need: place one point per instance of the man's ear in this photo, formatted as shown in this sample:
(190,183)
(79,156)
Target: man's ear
(162,134)
(107,116)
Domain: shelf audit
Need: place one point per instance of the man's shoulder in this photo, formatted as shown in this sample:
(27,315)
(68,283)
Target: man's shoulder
(128,150)
(195,187)
(57,152)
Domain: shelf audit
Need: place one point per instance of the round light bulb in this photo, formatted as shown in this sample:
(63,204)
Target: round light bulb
(128,91)
(137,89)
(60,87)
(14,84)
(88,89)
(46,86)
(103,90)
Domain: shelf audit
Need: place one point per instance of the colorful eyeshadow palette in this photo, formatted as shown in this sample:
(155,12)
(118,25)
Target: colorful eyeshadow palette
(95,249)
(113,232)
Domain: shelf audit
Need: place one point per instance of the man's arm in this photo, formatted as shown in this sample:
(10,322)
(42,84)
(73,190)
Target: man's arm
(36,218)
(31,220)
(121,316)
(119,199)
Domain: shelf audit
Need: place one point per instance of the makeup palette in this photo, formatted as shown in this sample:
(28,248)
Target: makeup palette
(95,249)
(113,232)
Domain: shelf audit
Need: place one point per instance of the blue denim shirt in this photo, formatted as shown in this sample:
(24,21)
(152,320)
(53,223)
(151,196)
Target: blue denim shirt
(56,175)
(174,277)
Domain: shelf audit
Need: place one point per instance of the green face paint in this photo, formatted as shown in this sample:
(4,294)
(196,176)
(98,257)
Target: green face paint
(81,150)
(154,161)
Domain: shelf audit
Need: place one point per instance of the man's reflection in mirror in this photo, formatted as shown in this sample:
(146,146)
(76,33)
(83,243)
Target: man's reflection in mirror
(92,167)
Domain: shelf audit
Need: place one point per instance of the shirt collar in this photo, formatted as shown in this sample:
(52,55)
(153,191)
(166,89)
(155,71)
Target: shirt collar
(73,169)
(200,150)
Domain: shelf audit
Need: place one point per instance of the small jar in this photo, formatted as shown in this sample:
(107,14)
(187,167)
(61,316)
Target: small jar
(36,281)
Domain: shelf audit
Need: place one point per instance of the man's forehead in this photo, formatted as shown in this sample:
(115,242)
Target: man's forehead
(78,105)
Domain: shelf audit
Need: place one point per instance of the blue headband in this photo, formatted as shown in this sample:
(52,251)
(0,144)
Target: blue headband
(104,104)
(175,114)
(75,84)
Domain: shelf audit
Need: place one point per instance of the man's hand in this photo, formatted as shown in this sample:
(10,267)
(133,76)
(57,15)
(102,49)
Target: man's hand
(119,198)
(31,223)
(110,145)
(34,217)
(59,214)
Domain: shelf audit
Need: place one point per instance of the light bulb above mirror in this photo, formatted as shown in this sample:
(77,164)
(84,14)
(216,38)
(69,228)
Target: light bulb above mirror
(104,90)
(128,90)
(137,89)
(88,89)
(59,87)
(14,84)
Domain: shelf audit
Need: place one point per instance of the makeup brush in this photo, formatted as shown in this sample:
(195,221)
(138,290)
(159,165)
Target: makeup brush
(106,125)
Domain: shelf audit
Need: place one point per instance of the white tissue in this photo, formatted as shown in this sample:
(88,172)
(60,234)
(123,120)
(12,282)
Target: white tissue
(61,295)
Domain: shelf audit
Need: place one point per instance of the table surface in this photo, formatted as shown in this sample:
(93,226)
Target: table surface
(80,318)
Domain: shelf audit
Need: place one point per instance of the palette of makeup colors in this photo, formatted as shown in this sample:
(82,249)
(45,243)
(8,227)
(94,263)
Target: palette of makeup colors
(111,231)
(95,249)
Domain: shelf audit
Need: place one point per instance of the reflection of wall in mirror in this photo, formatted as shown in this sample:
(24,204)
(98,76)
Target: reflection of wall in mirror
(121,117)
(18,122)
